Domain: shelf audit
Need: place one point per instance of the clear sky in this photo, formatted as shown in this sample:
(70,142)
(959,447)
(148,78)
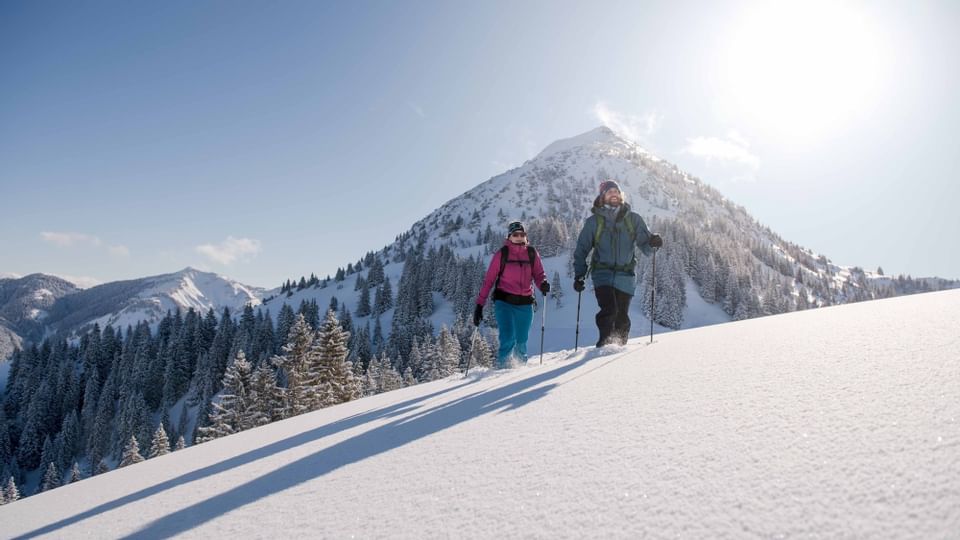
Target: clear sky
(268,140)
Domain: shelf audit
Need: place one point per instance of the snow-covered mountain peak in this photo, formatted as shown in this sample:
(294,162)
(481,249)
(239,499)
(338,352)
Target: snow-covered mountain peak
(597,137)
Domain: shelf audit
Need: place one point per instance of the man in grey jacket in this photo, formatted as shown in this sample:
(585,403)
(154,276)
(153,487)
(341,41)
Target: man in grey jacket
(612,232)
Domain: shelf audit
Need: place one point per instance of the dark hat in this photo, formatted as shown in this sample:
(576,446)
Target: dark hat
(514,227)
(607,185)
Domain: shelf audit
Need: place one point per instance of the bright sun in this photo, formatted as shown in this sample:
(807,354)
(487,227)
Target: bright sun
(799,70)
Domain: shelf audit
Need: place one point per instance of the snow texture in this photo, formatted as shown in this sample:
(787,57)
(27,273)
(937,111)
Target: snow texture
(835,422)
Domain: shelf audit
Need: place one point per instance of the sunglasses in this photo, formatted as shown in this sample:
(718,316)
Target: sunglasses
(520,234)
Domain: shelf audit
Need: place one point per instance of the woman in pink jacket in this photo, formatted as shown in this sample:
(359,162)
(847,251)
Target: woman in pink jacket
(512,271)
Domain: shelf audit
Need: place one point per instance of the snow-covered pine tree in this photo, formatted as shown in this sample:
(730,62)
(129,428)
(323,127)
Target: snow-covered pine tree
(372,378)
(235,411)
(383,299)
(181,444)
(266,396)
(293,367)
(556,290)
(51,478)
(131,453)
(285,320)
(377,342)
(363,305)
(75,474)
(331,374)
(479,353)
(160,444)
(390,379)
(10,491)
(449,351)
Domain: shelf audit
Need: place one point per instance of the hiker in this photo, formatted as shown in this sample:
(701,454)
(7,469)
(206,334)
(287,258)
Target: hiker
(612,233)
(512,271)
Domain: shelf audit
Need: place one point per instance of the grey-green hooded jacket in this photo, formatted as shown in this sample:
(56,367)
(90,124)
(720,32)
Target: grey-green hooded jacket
(613,261)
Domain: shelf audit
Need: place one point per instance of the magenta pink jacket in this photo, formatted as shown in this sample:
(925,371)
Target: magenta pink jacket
(516,278)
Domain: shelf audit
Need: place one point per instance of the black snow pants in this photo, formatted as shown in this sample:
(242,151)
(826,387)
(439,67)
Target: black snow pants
(613,319)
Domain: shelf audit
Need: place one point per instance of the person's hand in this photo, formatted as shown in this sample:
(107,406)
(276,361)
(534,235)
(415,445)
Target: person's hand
(578,284)
(545,287)
(477,315)
(655,240)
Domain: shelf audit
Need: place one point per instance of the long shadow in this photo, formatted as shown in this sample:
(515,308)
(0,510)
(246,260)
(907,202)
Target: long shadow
(242,459)
(364,445)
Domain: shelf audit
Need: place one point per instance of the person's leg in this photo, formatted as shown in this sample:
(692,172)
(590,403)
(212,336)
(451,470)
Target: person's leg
(505,325)
(522,319)
(606,299)
(621,325)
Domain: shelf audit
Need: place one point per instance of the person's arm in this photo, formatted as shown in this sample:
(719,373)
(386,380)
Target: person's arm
(539,275)
(489,278)
(584,245)
(643,234)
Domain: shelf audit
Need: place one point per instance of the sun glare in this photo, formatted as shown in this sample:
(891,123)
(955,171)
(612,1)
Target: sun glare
(801,69)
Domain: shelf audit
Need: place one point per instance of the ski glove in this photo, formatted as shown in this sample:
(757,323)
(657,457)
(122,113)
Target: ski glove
(477,315)
(545,287)
(578,284)
(655,240)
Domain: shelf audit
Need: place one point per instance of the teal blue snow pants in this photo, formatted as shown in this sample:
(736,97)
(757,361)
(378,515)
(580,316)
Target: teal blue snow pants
(514,324)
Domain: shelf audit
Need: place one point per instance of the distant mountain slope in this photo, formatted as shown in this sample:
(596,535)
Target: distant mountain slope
(123,303)
(829,423)
(25,303)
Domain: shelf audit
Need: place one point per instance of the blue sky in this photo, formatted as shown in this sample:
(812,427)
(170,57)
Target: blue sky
(271,140)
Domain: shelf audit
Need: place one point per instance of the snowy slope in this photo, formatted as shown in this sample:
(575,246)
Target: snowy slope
(834,422)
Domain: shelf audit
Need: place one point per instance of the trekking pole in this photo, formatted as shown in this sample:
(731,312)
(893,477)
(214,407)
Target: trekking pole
(473,347)
(543,325)
(576,342)
(653,293)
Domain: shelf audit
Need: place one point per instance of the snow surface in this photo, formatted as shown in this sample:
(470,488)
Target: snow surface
(842,421)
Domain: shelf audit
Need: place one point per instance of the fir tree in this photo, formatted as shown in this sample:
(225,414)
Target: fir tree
(556,291)
(265,396)
(293,368)
(51,478)
(160,444)
(235,410)
(181,444)
(75,474)
(131,453)
(10,491)
(331,377)
(363,305)
(383,300)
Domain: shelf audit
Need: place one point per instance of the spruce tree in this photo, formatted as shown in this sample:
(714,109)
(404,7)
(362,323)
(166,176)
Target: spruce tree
(51,478)
(160,444)
(265,396)
(331,376)
(363,305)
(556,290)
(181,444)
(390,379)
(293,367)
(131,453)
(75,474)
(235,410)
(10,491)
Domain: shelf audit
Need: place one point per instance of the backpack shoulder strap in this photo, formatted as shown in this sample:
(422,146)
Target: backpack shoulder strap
(630,227)
(532,253)
(504,254)
(598,230)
